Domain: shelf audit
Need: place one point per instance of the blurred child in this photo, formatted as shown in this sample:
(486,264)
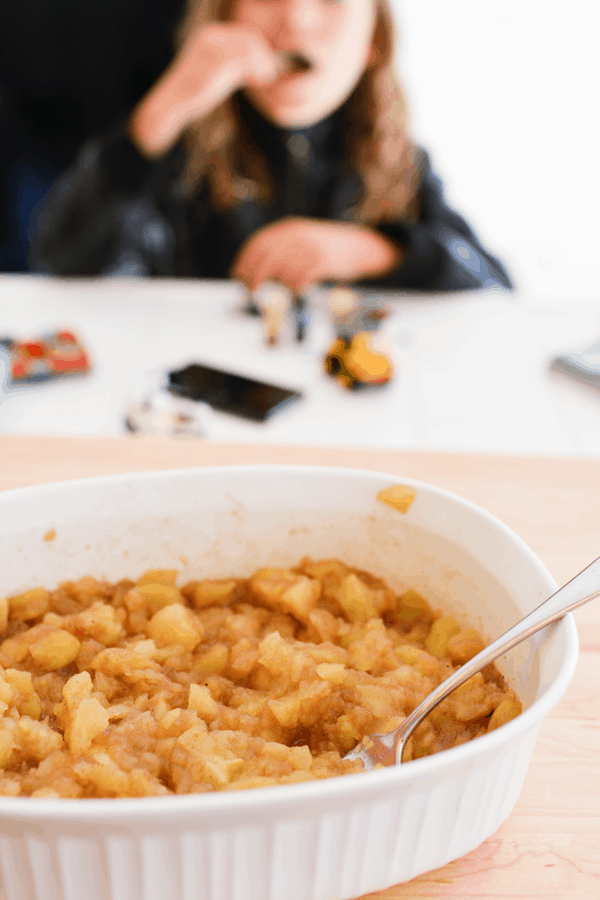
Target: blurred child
(274,146)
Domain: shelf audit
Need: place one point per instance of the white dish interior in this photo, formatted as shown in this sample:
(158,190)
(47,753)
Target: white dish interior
(219,523)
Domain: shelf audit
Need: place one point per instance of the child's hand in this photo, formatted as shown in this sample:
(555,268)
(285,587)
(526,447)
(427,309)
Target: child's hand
(217,60)
(298,251)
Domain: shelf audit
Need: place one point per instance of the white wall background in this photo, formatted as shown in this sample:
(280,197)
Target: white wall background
(506,97)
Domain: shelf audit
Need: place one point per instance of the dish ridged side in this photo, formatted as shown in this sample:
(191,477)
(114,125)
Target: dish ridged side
(344,850)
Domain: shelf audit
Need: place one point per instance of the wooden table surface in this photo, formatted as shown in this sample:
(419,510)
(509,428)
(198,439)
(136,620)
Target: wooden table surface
(550,846)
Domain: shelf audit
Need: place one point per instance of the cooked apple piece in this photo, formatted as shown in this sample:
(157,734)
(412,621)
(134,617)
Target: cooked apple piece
(411,605)
(159,595)
(210,593)
(464,646)
(4,608)
(215,660)
(357,599)
(201,700)
(30,604)
(398,496)
(55,650)
(440,633)
(286,592)
(90,720)
(175,624)
(158,576)
(504,712)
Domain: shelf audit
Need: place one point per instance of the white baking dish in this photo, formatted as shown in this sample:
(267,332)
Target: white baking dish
(326,840)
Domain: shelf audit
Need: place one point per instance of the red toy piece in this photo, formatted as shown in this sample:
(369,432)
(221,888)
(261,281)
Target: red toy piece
(51,356)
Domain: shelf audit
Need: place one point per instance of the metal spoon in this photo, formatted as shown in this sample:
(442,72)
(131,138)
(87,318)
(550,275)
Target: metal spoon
(295,63)
(387,749)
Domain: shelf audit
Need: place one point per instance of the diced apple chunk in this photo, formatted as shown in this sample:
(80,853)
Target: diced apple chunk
(159,595)
(211,593)
(77,688)
(504,712)
(201,700)
(90,720)
(464,646)
(30,604)
(411,605)
(398,496)
(441,631)
(287,592)
(55,650)
(357,599)
(158,576)
(335,673)
(4,608)
(175,624)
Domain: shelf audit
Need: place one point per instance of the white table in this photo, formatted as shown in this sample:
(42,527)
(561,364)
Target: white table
(473,369)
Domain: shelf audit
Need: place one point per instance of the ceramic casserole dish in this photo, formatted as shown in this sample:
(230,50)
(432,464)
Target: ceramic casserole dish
(327,840)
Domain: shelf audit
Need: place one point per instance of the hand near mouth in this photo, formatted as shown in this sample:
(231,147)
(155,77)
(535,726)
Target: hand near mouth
(216,61)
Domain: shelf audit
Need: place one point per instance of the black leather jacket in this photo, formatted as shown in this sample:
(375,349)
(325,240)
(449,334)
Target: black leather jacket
(117,213)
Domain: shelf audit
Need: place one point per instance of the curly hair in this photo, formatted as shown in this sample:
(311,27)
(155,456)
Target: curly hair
(223,155)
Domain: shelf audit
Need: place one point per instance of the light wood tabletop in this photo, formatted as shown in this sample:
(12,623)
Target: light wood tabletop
(550,846)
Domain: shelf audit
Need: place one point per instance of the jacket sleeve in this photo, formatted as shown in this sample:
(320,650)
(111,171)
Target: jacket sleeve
(443,252)
(112,213)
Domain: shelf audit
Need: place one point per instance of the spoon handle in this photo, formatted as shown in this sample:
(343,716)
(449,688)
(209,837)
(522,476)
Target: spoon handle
(581,589)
